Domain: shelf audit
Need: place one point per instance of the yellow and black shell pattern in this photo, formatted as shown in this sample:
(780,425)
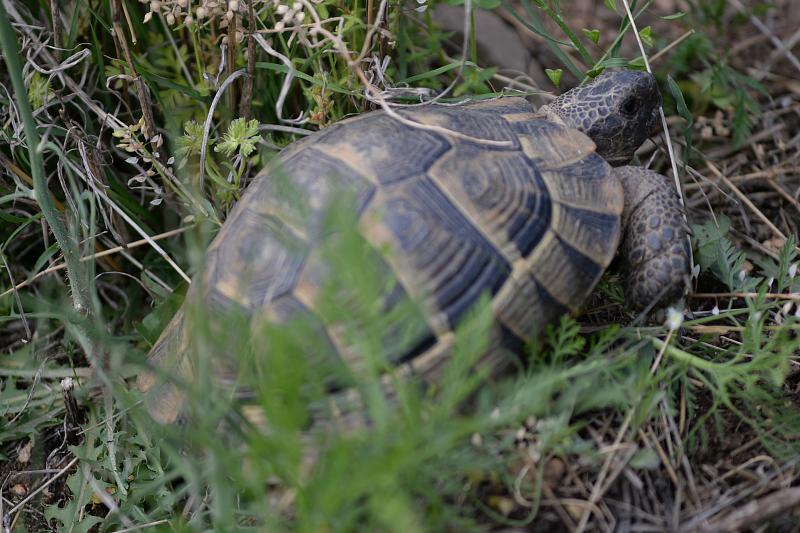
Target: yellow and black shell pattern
(531,221)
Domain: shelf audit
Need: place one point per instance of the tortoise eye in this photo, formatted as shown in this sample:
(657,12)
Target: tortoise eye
(630,106)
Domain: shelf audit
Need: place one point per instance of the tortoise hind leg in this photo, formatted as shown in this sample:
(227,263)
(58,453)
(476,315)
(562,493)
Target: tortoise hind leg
(655,247)
(164,399)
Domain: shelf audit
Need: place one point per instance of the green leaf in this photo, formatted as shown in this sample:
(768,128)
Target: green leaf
(486,74)
(47,254)
(333,87)
(39,90)
(242,137)
(190,143)
(645,458)
(676,16)
(554,75)
(717,254)
(636,63)
(67,515)
(154,323)
(593,35)
(646,34)
(436,72)
(683,111)
(155,79)
(13,219)
(706,236)
(680,103)
(611,4)
(611,62)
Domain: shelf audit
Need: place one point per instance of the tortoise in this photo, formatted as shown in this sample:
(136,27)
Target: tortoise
(458,201)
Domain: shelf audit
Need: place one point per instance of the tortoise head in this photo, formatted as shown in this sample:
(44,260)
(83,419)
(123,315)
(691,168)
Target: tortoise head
(618,110)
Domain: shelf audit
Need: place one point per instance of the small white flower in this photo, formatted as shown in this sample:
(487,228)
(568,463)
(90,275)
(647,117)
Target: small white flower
(695,271)
(715,311)
(477,440)
(674,318)
(132,160)
(786,308)
(793,270)
(770,282)
(742,275)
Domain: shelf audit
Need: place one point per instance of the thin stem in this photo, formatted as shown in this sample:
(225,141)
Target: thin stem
(556,17)
(81,298)
(686,357)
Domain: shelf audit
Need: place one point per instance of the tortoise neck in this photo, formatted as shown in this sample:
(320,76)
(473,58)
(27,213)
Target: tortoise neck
(547,112)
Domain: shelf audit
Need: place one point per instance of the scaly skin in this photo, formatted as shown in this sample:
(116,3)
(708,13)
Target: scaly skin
(618,111)
(654,247)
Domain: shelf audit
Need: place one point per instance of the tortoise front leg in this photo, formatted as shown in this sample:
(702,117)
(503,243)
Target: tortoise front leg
(655,248)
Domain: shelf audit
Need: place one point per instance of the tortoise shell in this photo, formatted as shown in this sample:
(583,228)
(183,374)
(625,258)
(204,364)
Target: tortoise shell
(509,205)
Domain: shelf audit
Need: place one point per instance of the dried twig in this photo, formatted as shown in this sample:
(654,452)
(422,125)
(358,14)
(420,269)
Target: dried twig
(245,107)
(142,93)
(230,63)
(769,295)
(661,53)
(779,45)
(756,511)
(55,13)
(92,257)
(38,489)
(746,201)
